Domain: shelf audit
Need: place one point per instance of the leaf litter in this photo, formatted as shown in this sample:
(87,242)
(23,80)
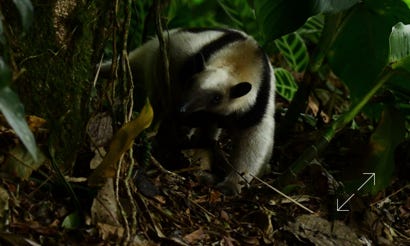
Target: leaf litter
(173,208)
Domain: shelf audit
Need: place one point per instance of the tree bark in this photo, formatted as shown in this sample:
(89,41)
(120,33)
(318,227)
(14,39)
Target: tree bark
(56,59)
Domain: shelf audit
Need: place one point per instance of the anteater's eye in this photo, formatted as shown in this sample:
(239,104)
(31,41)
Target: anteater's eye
(216,99)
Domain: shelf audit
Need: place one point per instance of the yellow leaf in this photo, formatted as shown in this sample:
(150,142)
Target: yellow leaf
(121,142)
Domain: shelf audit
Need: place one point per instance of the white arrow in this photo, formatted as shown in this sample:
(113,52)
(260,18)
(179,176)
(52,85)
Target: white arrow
(372,175)
(339,208)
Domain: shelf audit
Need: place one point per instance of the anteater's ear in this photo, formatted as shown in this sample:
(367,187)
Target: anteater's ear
(240,90)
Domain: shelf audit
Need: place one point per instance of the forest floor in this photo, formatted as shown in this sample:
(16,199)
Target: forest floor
(159,207)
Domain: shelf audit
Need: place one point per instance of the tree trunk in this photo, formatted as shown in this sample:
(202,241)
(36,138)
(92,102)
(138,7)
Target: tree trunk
(56,59)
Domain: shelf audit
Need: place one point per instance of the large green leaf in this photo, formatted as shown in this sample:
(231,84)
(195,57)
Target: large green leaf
(13,111)
(361,47)
(192,14)
(294,50)
(285,84)
(407,2)
(278,17)
(383,142)
(238,11)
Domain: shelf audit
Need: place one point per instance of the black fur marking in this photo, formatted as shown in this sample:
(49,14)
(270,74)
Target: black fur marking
(240,90)
(256,113)
(229,37)
(195,63)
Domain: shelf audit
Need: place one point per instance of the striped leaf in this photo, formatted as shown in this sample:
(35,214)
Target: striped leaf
(285,84)
(312,29)
(241,15)
(294,50)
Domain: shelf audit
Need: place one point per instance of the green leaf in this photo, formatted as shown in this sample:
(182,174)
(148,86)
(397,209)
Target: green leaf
(399,42)
(192,14)
(360,49)
(400,49)
(241,15)
(294,50)
(400,80)
(383,142)
(232,10)
(72,221)
(312,29)
(26,12)
(13,111)
(407,2)
(285,84)
(279,17)
(403,64)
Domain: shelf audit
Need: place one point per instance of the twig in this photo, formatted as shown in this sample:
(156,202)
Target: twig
(391,195)
(162,169)
(283,194)
(202,208)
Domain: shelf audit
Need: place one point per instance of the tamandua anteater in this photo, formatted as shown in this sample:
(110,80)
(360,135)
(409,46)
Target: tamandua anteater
(219,79)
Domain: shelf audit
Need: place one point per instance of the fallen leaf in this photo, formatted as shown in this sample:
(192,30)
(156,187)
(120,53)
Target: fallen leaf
(99,129)
(121,142)
(319,231)
(105,208)
(195,236)
(20,163)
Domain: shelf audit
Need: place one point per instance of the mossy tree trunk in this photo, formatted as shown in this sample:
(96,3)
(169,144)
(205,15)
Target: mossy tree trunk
(56,59)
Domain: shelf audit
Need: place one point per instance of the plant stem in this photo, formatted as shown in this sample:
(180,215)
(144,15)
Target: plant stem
(315,149)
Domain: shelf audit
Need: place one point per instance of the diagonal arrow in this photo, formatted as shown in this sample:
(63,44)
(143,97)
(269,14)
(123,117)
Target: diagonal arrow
(372,175)
(339,208)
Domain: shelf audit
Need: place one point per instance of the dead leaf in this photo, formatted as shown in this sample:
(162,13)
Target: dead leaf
(107,231)
(35,123)
(20,163)
(224,216)
(322,232)
(4,208)
(98,158)
(195,236)
(121,142)
(99,129)
(105,208)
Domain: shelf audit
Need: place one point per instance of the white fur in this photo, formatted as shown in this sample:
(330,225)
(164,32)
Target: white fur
(235,63)
(252,148)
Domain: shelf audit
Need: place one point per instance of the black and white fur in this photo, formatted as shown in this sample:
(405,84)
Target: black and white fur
(220,79)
